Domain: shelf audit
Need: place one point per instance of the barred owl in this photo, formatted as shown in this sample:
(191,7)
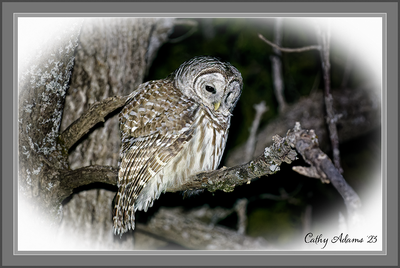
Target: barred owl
(171,129)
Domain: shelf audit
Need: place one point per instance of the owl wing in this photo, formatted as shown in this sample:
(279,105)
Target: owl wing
(154,126)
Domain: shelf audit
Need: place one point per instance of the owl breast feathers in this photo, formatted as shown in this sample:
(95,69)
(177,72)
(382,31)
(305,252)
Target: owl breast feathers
(172,129)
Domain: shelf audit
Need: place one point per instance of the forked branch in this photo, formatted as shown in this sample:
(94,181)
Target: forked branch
(306,144)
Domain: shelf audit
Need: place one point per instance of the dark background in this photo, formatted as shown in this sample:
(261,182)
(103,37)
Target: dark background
(271,215)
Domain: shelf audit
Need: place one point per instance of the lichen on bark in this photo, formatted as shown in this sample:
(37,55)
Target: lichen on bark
(42,86)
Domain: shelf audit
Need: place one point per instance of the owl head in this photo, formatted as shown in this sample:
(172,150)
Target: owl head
(210,82)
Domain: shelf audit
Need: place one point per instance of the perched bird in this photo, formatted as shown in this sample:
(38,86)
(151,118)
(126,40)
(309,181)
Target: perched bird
(171,129)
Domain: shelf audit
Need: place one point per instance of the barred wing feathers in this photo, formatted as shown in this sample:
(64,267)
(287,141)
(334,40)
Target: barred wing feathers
(154,125)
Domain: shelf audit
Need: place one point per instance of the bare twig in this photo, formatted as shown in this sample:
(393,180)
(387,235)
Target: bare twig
(241,208)
(306,144)
(357,120)
(277,66)
(95,114)
(311,172)
(251,142)
(289,50)
(331,116)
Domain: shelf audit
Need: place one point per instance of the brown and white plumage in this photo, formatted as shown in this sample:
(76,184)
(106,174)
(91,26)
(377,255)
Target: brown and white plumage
(171,129)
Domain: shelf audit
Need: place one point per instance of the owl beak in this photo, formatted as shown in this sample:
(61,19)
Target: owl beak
(216,105)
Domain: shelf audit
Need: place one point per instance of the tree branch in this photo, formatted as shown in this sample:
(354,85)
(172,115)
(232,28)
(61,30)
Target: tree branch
(43,80)
(226,179)
(331,117)
(73,179)
(306,144)
(194,27)
(277,66)
(357,120)
(241,209)
(95,114)
(290,50)
(260,108)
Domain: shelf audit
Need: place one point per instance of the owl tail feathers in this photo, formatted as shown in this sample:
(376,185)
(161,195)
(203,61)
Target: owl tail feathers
(123,219)
(123,222)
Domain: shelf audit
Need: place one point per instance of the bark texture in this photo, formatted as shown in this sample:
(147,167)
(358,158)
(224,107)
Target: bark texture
(94,59)
(111,60)
(43,83)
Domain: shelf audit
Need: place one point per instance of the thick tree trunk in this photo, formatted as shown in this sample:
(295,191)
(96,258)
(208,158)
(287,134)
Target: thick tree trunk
(111,57)
(111,60)
(44,75)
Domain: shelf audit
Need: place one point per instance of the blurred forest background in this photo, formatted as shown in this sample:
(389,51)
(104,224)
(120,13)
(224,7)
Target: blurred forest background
(285,205)
(105,57)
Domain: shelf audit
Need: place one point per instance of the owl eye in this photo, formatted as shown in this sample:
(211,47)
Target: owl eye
(211,89)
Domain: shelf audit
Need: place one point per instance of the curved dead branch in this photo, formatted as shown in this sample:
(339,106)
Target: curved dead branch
(73,179)
(95,114)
